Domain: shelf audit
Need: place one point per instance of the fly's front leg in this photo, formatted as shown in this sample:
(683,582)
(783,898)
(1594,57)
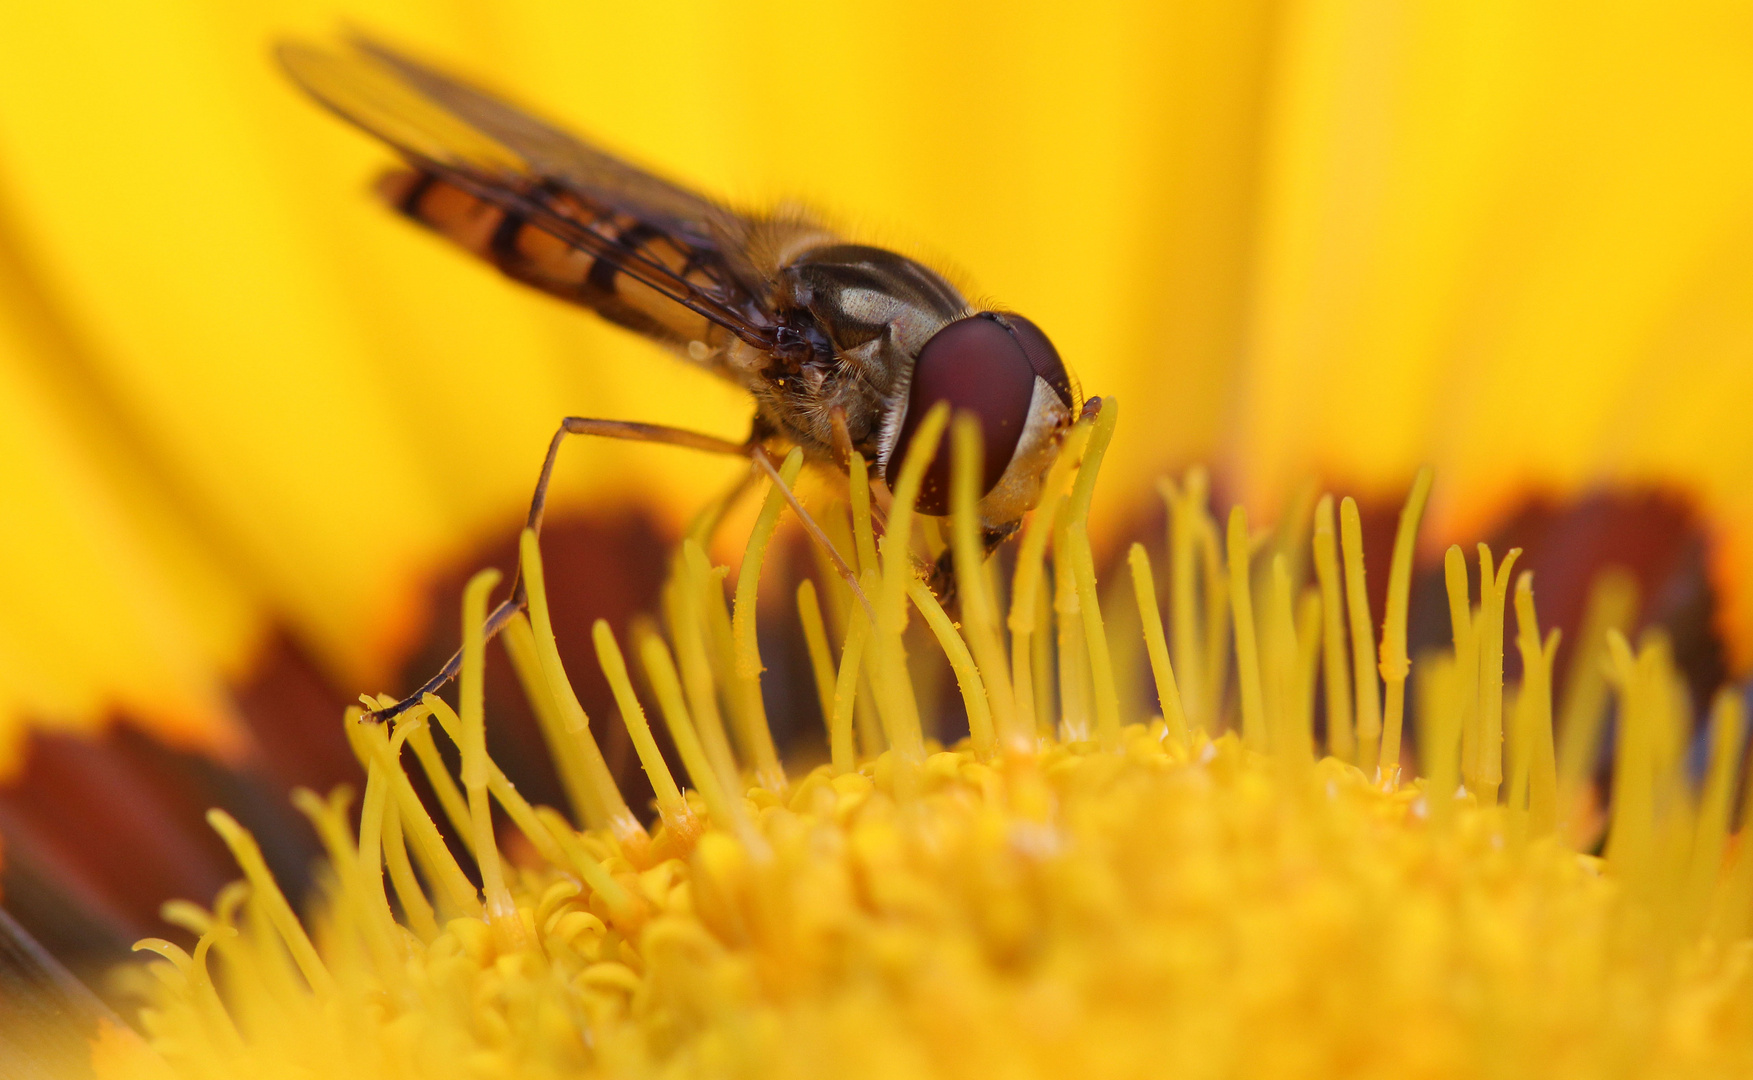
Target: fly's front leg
(519,599)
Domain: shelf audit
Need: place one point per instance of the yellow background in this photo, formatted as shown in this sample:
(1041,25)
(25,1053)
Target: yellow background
(1303,238)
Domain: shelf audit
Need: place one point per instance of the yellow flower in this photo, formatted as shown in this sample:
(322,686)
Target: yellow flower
(1105,895)
(1505,239)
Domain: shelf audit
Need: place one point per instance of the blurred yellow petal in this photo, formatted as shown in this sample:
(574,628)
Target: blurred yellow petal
(1511,240)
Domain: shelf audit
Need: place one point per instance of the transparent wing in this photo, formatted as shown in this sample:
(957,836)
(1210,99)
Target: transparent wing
(505,156)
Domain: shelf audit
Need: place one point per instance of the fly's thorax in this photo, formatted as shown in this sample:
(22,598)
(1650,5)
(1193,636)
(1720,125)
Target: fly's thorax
(873,311)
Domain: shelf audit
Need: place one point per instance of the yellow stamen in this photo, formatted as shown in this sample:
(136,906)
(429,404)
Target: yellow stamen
(1027,612)
(686,597)
(1368,697)
(265,892)
(1168,694)
(1335,679)
(599,790)
(748,654)
(516,807)
(1464,632)
(1727,735)
(748,711)
(500,908)
(1289,733)
(863,535)
(563,745)
(661,670)
(1254,731)
(415,907)
(456,896)
(847,684)
(1083,570)
(1395,664)
(894,691)
(815,637)
(1582,710)
(1076,708)
(979,616)
(1535,708)
(962,664)
(670,805)
(1216,589)
(1493,589)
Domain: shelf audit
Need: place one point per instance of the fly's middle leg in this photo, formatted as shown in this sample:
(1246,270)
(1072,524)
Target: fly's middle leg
(519,598)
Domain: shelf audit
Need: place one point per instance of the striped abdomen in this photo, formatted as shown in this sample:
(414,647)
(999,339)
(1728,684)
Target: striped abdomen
(537,257)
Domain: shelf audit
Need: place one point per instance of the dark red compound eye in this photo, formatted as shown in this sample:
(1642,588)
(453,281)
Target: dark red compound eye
(985,364)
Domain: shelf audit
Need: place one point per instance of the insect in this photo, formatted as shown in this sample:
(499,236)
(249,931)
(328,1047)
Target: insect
(842,346)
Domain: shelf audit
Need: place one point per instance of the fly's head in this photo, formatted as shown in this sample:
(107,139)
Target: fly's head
(904,339)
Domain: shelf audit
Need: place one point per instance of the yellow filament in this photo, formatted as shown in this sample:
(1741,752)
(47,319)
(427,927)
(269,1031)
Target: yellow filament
(603,794)
(931,533)
(1727,733)
(1217,616)
(1632,831)
(517,808)
(1335,678)
(894,690)
(962,664)
(1367,697)
(1027,612)
(1731,915)
(1288,732)
(563,749)
(863,698)
(841,753)
(359,869)
(815,637)
(412,898)
(455,895)
(1168,694)
(266,893)
(1462,630)
(863,535)
(671,807)
(444,786)
(1083,572)
(747,709)
(1535,703)
(1308,661)
(1395,664)
(1582,710)
(979,615)
(661,670)
(1290,536)
(1185,503)
(748,655)
(1072,647)
(1254,733)
(500,909)
(687,596)
(1493,588)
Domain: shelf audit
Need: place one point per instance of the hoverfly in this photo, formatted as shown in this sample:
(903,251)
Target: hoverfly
(843,346)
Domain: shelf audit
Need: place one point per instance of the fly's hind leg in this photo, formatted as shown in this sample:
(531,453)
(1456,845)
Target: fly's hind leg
(519,598)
